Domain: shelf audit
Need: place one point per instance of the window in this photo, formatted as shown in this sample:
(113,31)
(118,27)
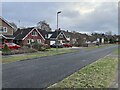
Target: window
(61,36)
(32,40)
(3,29)
(39,40)
(46,36)
(34,33)
(28,41)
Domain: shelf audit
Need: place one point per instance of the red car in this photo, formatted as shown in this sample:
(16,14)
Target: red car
(12,45)
(67,45)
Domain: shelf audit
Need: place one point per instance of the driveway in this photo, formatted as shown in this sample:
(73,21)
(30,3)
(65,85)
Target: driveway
(42,72)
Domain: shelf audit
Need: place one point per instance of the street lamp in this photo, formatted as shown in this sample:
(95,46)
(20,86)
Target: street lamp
(57,18)
(57,27)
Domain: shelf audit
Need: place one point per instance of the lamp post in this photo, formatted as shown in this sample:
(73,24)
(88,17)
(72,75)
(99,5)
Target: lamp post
(57,27)
(57,18)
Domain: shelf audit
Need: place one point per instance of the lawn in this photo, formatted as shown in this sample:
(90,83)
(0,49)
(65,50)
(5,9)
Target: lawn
(96,75)
(50,52)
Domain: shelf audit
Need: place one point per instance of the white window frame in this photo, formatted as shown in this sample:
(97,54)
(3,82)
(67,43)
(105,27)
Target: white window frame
(1,29)
(34,33)
(29,41)
(61,36)
(39,40)
(4,29)
(32,40)
(46,36)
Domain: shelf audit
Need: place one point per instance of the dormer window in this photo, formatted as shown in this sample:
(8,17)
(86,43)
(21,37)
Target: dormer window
(46,36)
(34,33)
(61,36)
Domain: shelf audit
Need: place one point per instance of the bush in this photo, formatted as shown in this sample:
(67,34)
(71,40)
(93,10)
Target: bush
(47,46)
(37,46)
(22,50)
(6,48)
(40,47)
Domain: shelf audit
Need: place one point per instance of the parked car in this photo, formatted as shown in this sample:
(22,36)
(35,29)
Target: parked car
(59,45)
(67,45)
(12,45)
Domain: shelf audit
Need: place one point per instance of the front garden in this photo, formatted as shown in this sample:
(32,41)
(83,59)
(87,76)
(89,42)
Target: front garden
(28,54)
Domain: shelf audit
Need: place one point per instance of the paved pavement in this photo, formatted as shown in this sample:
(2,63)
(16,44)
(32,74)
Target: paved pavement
(42,72)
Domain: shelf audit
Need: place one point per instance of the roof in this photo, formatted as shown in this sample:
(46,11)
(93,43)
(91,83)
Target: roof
(21,33)
(44,32)
(6,22)
(55,34)
(8,36)
(67,33)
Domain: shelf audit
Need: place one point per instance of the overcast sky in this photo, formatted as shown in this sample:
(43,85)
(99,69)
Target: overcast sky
(83,17)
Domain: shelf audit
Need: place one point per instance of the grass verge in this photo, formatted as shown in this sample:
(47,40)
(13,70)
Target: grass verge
(96,75)
(96,47)
(51,52)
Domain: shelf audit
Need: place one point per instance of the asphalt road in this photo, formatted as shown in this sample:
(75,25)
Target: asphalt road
(42,72)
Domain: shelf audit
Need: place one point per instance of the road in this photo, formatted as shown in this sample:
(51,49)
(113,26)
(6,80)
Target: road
(42,72)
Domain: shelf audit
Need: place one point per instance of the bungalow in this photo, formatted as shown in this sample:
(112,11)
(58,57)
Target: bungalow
(6,31)
(27,36)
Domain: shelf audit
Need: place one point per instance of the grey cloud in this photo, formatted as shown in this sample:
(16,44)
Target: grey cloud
(104,17)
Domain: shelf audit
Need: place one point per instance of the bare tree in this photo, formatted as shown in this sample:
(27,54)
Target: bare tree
(43,25)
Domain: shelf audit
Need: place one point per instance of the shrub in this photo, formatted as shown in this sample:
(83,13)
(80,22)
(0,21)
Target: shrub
(22,50)
(37,46)
(6,48)
(47,46)
(42,49)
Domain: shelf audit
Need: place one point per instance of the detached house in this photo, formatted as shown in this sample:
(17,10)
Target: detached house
(46,35)
(59,36)
(6,31)
(27,36)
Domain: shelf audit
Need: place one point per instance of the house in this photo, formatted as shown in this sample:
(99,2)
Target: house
(100,38)
(74,38)
(71,37)
(58,36)
(46,35)
(6,31)
(27,36)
